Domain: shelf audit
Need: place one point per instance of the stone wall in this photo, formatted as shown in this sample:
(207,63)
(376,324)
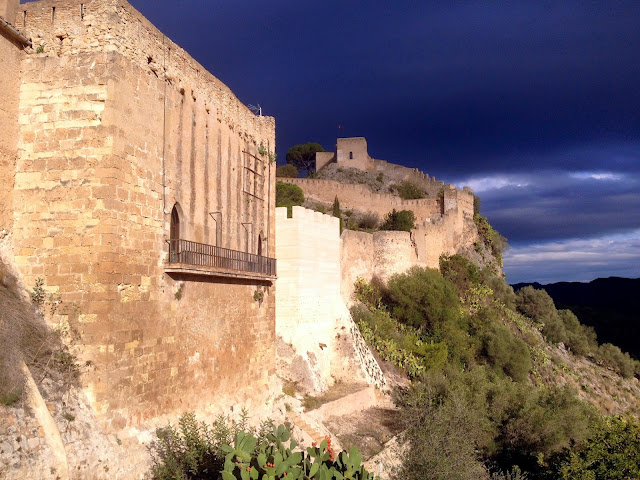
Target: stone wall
(378,254)
(320,342)
(10,53)
(360,197)
(107,145)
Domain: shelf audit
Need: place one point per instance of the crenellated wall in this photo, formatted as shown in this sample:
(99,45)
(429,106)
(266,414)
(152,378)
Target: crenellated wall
(360,197)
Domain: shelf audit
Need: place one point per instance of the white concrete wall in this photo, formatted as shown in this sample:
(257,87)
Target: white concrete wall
(319,343)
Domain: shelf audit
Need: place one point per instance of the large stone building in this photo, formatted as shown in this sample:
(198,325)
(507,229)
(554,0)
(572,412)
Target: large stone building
(140,189)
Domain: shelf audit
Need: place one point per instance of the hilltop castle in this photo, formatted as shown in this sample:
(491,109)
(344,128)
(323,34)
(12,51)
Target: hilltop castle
(444,218)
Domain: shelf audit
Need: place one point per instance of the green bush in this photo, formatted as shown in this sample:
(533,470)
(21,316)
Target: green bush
(506,352)
(613,453)
(495,242)
(288,195)
(611,356)
(422,298)
(409,190)
(403,220)
(287,171)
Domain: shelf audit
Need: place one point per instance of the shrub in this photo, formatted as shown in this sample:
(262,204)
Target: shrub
(288,195)
(409,190)
(369,221)
(611,356)
(422,298)
(403,220)
(612,453)
(287,171)
(495,242)
(506,352)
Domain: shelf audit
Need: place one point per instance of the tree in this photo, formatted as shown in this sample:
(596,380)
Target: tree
(303,156)
(403,220)
(288,195)
(287,171)
(337,212)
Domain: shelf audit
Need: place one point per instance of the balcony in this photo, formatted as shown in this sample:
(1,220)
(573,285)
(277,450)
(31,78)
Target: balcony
(192,258)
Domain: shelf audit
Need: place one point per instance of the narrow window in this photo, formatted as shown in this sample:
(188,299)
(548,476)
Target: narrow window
(24,19)
(260,245)
(53,14)
(174,231)
(350,155)
(175,255)
(82,11)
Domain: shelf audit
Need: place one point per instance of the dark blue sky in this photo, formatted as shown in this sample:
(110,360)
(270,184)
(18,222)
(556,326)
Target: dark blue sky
(535,105)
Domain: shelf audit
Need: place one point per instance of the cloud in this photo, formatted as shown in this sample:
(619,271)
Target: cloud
(579,260)
(550,205)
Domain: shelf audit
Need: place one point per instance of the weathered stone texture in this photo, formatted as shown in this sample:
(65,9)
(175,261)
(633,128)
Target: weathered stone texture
(106,148)
(10,54)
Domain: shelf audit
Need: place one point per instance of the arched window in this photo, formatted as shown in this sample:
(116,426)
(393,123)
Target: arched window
(350,155)
(174,230)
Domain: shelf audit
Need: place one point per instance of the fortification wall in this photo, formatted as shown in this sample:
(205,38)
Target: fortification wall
(105,149)
(10,53)
(378,254)
(359,197)
(320,341)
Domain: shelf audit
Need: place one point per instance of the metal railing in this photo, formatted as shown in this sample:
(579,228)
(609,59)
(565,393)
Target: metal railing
(193,253)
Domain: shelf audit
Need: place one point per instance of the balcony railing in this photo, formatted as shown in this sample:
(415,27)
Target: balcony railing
(200,254)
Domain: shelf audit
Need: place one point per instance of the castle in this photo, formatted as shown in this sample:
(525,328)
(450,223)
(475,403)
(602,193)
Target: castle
(444,219)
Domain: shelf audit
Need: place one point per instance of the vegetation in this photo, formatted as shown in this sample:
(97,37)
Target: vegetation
(288,195)
(26,338)
(476,407)
(303,156)
(493,241)
(287,171)
(403,220)
(196,451)
(335,210)
(409,190)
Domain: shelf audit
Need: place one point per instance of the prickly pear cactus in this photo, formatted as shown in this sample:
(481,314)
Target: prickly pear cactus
(276,460)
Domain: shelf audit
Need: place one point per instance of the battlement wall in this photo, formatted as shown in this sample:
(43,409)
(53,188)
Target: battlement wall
(359,197)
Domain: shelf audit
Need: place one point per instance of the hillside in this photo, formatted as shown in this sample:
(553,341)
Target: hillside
(610,305)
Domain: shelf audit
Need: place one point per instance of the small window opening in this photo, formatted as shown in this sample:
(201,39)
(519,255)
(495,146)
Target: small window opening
(174,231)
(24,19)
(82,11)
(53,14)
(350,155)
(260,245)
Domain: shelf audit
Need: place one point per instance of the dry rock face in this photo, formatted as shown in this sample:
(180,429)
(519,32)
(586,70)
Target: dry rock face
(106,126)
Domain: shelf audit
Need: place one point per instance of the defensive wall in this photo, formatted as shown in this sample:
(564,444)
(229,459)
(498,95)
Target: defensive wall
(360,197)
(318,341)
(110,129)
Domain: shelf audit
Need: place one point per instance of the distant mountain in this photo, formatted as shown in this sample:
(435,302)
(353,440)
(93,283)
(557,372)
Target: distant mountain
(610,305)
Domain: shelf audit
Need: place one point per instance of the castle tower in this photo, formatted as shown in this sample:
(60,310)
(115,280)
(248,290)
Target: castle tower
(352,152)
